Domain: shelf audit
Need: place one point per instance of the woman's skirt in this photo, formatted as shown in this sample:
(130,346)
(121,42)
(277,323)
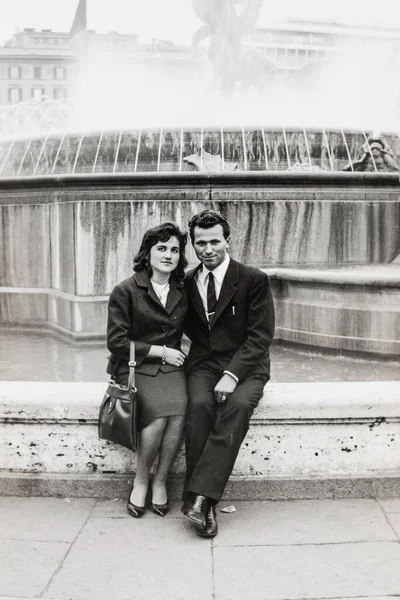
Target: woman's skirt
(164,395)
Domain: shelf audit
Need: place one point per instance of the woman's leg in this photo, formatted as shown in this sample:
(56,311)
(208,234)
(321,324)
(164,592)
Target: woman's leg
(171,441)
(149,444)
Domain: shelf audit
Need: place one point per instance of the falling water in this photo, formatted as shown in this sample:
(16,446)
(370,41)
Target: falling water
(163,150)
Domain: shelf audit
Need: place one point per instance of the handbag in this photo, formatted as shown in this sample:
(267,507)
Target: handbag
(118,416)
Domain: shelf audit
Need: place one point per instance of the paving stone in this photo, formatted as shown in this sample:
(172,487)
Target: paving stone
(135,558)
(303,521)
(26,567)
(391,506)
(319,571)
(394,519)
(43,519)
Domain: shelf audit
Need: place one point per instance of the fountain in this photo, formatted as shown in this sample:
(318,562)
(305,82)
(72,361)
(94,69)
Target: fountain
(75,203)
(329,239)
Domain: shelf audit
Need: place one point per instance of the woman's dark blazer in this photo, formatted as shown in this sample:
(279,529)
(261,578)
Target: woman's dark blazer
(136,313)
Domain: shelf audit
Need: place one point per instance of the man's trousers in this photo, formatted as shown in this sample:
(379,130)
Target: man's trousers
(215,431)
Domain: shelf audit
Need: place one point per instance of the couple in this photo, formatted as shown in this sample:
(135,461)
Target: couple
(226,310)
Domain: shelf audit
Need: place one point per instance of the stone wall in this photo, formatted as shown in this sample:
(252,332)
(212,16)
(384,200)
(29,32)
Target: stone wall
(67,241)
(344,434)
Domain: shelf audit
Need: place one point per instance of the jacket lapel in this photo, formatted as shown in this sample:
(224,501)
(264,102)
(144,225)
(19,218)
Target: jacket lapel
(143,281)
(228,290)
(193,293)
(174,295)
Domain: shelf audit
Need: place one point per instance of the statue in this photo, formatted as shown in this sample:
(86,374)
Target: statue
(204,161)
(376,152)
(225,23)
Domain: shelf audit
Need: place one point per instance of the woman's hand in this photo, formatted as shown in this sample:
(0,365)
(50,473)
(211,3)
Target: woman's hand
(173,357)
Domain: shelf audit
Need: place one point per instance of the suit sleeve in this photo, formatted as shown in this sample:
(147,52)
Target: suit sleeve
(119,325)
(260,329)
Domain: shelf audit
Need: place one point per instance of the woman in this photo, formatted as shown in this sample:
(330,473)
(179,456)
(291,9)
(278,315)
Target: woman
(149,308)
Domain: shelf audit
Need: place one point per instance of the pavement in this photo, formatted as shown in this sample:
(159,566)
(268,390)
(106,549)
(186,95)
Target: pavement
(86,548)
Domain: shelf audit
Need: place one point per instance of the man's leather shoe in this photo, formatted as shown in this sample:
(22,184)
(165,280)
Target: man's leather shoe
(211,528)
(196,513)
(186,505)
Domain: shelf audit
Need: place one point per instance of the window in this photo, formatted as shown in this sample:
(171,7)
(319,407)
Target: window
(282,57)
(37,72)
(291,58)
(60,93)
(37,94)
(14,72)
(14,95)
(60,73)
(302,58)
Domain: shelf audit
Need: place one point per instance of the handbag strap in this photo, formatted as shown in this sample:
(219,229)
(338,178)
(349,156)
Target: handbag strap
(132,365)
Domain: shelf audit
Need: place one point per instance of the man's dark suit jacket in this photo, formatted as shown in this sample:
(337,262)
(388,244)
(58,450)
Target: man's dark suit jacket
(136,313)
(241,332)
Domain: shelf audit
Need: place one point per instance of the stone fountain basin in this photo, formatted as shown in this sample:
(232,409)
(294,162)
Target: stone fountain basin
(329,241)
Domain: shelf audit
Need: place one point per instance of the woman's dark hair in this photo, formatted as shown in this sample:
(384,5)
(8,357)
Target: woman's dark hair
(161,233)
(206,219)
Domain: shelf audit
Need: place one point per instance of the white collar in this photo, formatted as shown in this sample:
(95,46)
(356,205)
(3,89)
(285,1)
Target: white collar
(219,272)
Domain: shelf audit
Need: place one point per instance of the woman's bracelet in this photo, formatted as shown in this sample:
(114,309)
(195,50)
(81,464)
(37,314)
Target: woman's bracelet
(164,355)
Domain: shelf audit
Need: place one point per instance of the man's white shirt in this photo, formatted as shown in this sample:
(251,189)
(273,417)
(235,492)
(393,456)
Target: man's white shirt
(202,280)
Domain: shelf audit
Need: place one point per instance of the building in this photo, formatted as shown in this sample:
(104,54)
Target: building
(35,65)
(293,45)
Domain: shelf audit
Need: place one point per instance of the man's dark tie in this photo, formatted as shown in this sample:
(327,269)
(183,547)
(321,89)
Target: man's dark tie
(211,297)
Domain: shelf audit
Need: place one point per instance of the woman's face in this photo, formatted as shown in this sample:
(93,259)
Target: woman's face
(164,256)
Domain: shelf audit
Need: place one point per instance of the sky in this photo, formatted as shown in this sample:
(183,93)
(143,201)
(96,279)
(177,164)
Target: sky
(175,20)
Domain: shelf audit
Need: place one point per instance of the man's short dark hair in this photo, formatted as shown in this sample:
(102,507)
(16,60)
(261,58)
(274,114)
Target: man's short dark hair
(206,219)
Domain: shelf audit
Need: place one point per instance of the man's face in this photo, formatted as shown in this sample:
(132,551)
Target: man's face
(210,245)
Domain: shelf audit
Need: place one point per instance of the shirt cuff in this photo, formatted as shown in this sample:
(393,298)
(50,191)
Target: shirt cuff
(232,375)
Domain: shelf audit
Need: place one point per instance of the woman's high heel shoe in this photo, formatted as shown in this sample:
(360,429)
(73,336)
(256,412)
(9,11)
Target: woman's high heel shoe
(160,509)
(133,509)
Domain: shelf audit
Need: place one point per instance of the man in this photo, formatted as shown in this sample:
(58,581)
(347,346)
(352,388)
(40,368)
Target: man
(231,325)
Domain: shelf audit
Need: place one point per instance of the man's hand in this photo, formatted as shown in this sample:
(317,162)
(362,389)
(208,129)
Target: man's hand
(225,386)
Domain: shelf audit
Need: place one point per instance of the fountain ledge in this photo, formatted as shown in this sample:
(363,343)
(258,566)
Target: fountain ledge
(306,440)
(277,179)
(370,275)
